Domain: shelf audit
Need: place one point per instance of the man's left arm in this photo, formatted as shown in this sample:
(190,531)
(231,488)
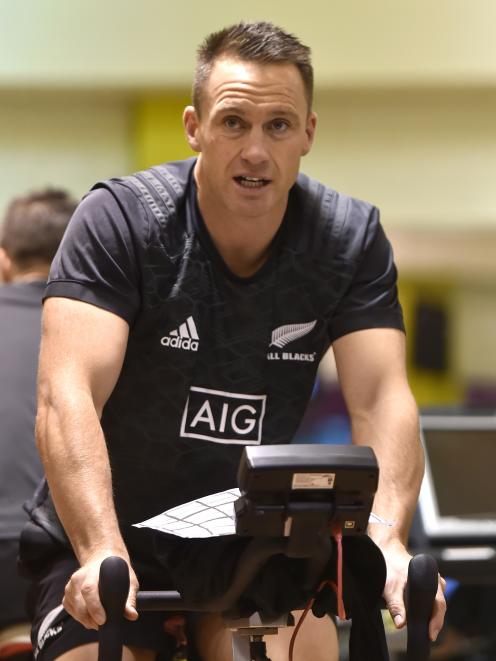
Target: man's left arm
(383,413)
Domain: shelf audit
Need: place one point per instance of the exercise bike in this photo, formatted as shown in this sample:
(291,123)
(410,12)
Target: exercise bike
(291,498)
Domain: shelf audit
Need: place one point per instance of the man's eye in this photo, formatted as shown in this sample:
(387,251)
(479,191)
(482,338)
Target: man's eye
(279,125)
(232,123)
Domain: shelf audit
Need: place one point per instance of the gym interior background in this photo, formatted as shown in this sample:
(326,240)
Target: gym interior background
(406,98)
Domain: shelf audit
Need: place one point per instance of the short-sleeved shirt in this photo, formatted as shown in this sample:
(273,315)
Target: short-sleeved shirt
(214,361)
(20,465)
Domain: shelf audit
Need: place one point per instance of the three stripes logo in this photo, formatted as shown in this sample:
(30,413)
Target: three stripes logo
(289,333)
(185,337)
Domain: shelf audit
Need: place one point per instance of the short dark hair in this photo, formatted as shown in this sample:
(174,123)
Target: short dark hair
(254,42)
(34,225)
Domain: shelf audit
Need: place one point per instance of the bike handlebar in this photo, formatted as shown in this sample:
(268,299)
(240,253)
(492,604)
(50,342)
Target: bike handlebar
(114,587)
(420,593)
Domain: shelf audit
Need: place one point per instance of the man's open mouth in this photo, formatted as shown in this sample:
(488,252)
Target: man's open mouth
(251,182)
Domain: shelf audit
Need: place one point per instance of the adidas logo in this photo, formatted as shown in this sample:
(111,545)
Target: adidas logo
(185,337)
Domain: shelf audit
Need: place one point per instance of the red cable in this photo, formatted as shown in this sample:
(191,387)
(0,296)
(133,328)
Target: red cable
(338,536)
(300,622)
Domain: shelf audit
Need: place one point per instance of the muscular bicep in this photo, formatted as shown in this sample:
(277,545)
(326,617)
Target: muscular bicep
(82,351)
(371,367)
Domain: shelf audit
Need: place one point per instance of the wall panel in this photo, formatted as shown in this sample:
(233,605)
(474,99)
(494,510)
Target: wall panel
(61,139)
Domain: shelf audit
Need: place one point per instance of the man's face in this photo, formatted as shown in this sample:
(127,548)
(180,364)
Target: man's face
(253,130)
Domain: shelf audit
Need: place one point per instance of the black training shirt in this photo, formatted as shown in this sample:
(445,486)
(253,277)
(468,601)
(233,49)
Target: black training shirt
(215,361)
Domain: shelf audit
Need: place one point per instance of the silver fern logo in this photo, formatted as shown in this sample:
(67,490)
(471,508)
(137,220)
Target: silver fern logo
(289,333)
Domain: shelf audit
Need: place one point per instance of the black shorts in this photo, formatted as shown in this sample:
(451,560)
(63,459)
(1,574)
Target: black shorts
(50,565)
(55,631)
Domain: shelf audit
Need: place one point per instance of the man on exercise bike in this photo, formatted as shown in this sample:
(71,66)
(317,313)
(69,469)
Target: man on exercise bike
(185,316)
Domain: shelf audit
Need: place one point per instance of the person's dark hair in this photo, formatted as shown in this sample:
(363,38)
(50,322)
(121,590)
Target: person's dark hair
(254,42)
(34,225)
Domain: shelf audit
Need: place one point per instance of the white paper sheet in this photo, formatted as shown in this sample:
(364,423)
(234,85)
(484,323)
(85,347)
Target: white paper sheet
(211,516)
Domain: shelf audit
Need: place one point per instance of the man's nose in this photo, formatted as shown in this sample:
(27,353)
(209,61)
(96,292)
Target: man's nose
(255,147)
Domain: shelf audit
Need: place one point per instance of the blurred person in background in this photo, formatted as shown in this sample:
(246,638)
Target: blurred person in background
(29,236)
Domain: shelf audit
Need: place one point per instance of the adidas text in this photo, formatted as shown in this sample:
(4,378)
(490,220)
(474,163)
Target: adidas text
(180,343)
(184,337)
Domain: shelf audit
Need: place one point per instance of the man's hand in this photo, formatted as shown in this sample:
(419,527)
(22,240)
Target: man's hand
(397,561)
(81,597)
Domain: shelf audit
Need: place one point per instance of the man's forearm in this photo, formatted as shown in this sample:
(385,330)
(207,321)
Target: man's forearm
(391,428)
(73,450)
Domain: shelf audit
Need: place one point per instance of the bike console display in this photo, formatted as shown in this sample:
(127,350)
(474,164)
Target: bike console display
(286,485)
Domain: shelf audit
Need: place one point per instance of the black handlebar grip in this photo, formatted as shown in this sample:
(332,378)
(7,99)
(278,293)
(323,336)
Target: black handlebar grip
(113,587)
(419,600)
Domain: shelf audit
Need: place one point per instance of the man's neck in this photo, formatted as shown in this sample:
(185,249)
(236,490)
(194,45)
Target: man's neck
(242,242)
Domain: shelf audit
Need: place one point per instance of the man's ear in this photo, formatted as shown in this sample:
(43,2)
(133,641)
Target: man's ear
(5,266)
(192,128)
(309,133)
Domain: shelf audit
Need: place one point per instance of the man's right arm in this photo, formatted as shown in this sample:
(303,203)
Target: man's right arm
(82,352)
